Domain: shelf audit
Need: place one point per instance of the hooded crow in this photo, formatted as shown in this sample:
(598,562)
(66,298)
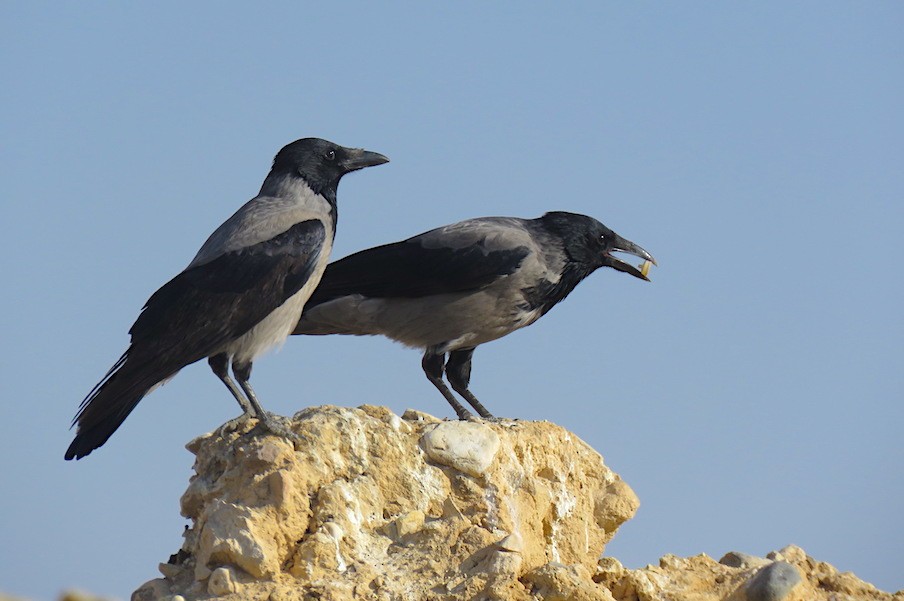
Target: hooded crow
(241,294)
(453,288)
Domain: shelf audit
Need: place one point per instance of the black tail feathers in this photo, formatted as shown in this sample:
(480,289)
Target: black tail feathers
(110,402)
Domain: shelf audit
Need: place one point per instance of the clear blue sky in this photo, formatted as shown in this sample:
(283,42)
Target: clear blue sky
(751,395)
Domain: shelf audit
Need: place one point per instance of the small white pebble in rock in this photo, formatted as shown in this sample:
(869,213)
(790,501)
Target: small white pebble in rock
(395,422)
(793,553)
(469,447)
(220,582)
(671,561)
(504,563)
(736,559)
(609,564)
(513,542)
(333,530)
(413,415)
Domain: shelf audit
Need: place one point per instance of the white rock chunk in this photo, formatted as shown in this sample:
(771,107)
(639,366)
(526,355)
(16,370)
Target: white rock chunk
(468,447)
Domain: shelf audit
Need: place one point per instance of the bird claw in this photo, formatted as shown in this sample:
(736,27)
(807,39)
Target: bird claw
(234,424)
(273,423)
(486,418)
(496,420)
(270,423)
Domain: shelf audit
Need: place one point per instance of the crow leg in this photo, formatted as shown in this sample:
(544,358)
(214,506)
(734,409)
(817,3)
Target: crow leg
(242,373)
(220,366)
(433,367)
(458,372)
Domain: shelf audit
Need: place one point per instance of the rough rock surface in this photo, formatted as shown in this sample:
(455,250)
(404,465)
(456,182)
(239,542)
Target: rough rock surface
(785,575)
(373,506)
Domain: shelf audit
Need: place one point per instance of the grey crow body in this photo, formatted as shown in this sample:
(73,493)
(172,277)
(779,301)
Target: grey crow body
(241,294)
(453,288)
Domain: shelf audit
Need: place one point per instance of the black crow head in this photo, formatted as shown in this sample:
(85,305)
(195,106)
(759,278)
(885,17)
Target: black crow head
(589,243)
(321,163)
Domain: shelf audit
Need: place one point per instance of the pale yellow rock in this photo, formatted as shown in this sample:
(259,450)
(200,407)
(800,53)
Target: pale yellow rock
(700,578)
(372,506)
(615,505)
(504,562)
(239,535)
(743,560)
(557,582)
(221,582)
(168,570)
(496,511)
(791,553)
(152,590)
(513,542)
(407,524)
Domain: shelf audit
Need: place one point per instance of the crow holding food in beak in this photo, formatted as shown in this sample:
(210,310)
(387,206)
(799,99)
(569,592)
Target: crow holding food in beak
(455,287)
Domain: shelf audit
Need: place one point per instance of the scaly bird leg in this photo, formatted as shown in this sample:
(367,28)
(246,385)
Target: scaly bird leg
(242,373)
(433,368)
(458,372)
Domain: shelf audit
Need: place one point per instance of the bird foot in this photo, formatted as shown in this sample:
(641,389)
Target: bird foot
(234,424)
(274,424)
(486,418)
(497,420)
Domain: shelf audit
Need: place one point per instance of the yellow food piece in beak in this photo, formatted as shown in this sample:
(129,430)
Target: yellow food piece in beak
(645,268)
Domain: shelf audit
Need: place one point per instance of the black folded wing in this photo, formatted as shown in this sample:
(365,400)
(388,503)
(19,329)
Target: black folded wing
(408,269)
(207,306)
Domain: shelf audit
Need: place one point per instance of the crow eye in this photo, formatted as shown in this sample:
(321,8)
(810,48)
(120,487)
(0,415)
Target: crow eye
(330,155)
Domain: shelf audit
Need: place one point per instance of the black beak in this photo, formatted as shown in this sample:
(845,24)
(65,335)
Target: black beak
(619,244)
(357,158)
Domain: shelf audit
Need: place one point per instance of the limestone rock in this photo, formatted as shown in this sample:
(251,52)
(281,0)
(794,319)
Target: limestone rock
(786,575)
(557,582)
(221,582)
(735,559)
(373,506)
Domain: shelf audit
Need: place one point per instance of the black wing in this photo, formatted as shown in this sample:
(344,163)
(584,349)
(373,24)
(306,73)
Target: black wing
(192,315)
(205,307)
(409,270)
